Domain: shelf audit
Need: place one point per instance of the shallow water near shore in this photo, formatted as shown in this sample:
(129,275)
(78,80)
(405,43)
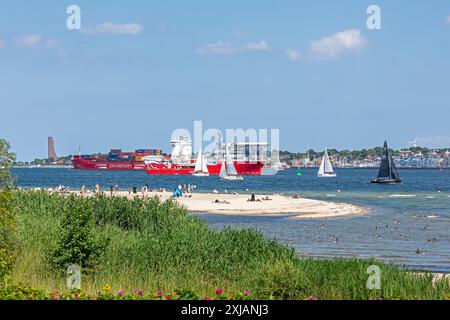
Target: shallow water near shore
(408,224)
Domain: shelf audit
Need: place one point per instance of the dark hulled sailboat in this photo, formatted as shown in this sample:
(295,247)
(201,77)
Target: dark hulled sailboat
(388,173)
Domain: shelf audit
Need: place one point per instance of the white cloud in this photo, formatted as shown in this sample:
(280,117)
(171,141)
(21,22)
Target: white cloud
(216,48)
(337,44)
(110,28)
(259,46)
(293,55)
(223,48)
(29,41)
(37,41)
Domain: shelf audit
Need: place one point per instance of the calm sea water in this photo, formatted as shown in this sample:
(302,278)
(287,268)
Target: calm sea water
(401,218)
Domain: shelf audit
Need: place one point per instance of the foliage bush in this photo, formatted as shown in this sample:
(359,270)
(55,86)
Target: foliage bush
(8,221)
(77,242)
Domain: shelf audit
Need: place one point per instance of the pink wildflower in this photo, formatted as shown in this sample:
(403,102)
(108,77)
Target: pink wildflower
(138,292)
(219,291)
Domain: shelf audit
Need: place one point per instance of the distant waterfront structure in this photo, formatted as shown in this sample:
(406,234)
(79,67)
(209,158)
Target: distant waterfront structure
(51,149)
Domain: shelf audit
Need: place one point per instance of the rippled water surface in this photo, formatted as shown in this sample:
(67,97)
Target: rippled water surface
(407,223)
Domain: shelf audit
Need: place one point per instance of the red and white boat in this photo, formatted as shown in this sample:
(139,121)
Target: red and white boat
(168,168)
(180,161)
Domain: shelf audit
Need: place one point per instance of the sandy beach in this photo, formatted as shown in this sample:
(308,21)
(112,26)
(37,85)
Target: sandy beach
(238,204)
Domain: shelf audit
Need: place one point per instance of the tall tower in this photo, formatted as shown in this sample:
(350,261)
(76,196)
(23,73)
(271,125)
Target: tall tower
(51,149)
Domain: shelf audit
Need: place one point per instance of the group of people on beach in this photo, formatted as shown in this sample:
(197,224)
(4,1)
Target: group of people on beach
(253,198)
(93,189)
(144,190)
(185,190)
(179,191)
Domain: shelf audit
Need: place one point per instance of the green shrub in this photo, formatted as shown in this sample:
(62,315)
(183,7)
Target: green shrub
(8,222)
(77,242)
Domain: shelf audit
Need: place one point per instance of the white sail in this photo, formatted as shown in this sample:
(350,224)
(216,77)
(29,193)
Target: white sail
(231,170)
(223,171)
(322,167)
(326,169)
(328,166)
(204,166)
(227,170)
(275,160)
(198,163)
(201,168)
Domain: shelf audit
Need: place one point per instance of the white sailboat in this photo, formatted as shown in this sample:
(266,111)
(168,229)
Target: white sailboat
(326,169)
(275,161)
(201,169)
(227,170)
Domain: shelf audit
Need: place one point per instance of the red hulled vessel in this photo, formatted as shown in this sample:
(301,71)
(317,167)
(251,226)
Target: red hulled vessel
(180,161)
(213,169)
(93,163)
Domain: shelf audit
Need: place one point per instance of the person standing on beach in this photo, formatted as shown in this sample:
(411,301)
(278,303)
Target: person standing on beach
(111,188)
(97,188)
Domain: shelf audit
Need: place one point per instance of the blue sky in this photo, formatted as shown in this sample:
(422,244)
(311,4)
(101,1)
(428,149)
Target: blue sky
(139,69)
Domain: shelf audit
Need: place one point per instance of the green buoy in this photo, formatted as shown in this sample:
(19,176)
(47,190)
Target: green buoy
(299,174)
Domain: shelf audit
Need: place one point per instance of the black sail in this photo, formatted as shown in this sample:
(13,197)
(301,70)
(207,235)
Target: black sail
(394,173)
(385,170)
(388,171)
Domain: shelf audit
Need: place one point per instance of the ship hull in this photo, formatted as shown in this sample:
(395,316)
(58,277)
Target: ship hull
(386,181)
(89,164)
(160,169)
(214,169)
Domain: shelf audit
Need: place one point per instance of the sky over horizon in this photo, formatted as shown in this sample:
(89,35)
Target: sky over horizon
(137,70)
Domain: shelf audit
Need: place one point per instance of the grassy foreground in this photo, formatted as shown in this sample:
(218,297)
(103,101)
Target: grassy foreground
(149,246)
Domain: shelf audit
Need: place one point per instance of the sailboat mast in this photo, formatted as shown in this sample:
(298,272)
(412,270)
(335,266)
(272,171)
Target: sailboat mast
(389,162)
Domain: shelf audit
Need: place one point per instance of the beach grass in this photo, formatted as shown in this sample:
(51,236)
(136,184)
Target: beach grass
(154,245)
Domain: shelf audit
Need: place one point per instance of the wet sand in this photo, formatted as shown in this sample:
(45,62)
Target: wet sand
(238,204)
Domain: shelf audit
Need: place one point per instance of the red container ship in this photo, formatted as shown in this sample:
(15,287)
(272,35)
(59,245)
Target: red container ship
(94,163)
(180,161)
(115,160)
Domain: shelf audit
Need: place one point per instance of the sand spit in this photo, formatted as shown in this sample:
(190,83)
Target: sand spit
(238,204)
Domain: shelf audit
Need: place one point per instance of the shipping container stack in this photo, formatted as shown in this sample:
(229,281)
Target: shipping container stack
(138,155)
(114,154)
